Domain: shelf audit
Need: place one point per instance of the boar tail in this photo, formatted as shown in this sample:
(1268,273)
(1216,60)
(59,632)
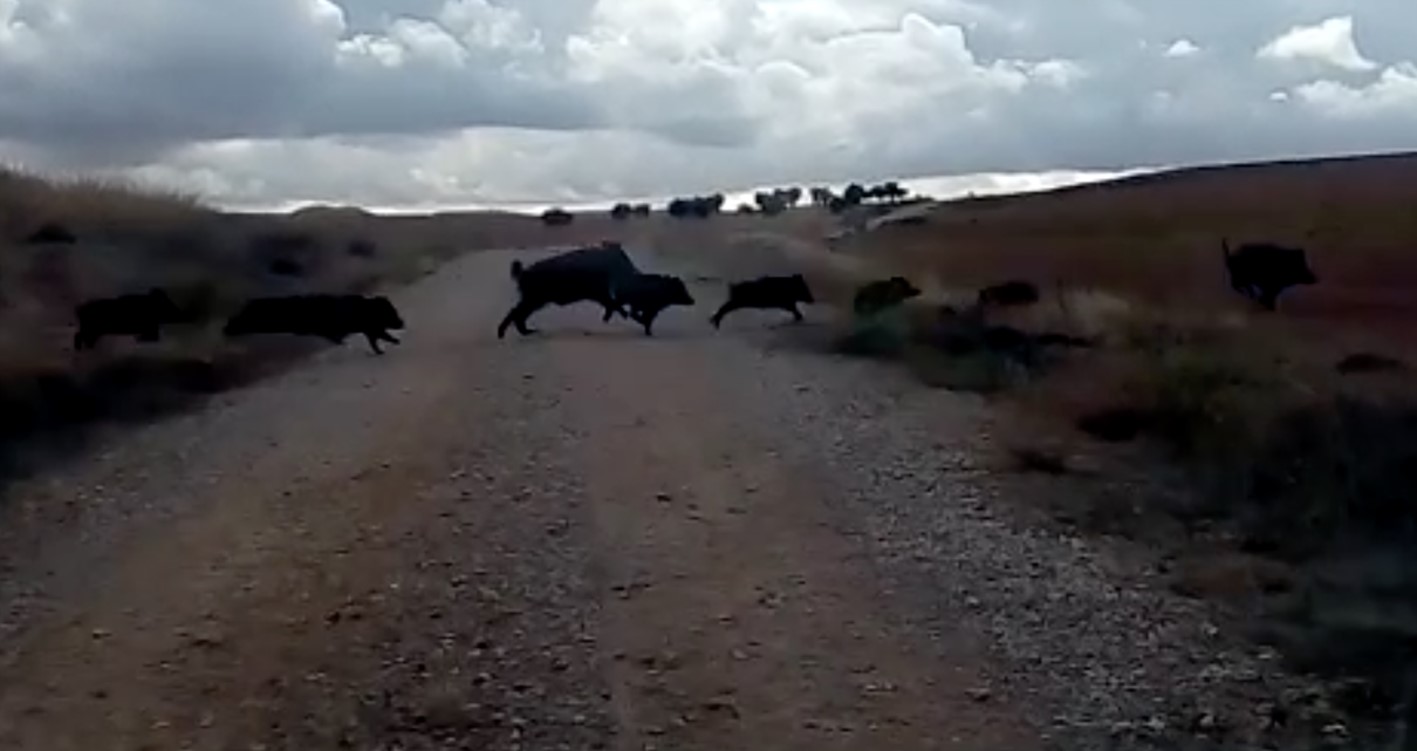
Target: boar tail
(516,269)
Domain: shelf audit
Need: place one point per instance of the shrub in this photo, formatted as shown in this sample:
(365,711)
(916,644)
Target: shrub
(286,252)
(981,371)
(944,349)
(886,335)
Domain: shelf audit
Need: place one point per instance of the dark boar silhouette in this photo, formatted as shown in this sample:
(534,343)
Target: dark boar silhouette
(646,295)
(557,217)
(883,294)
(332,317)
(767,293)
(1010,293)
(141,316)
(1368,362)
(1263,271)
(584,274)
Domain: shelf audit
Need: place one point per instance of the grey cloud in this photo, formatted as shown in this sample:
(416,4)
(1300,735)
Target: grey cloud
(121,82)
(267,100)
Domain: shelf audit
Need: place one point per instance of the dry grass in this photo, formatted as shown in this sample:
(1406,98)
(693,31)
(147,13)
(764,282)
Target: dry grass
(1288,458)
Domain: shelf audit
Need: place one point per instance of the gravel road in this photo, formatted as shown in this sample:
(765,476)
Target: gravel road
(585,539)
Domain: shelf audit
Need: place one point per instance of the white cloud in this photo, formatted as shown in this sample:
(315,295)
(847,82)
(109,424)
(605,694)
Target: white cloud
(1182,48)
(1329,42)
(1394,93)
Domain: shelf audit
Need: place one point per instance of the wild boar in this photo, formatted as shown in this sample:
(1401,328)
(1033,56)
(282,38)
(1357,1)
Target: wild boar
(332,317)
(584,274)
(883,294)
(142,316)
(646,295)
(767,293)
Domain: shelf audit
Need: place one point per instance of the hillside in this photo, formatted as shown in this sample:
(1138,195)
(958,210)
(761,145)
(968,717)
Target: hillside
(1156,238)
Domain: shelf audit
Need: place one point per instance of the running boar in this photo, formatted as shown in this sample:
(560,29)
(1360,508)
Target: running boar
(883,294)
(585,274)
(767,293)
(332,317)
(141,316)
(1263,271)
(646,295)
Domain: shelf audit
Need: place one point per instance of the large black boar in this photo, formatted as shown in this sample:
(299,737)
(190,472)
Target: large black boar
(585,274)
(332,317)
(883,294)
(142,316)
(1262,271)
(646,295)
(768,293)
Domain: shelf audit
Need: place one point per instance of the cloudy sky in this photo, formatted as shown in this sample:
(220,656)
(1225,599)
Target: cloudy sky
(466,102)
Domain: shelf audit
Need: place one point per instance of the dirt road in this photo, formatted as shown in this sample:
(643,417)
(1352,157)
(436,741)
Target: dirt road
(586,539)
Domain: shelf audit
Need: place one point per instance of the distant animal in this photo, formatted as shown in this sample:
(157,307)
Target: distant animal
(883,294)
(646,295)
(556,217)
(332,317)
(1263,271)
(1367,362)
(584,274)
(768,293)
(141,316)
(1011,293)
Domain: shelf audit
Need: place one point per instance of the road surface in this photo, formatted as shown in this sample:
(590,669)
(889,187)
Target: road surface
(585,539)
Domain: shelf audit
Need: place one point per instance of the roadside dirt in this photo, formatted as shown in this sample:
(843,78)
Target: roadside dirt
(583,539)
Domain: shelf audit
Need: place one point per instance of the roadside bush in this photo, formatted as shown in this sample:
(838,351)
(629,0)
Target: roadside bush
(283,252)
(886,334)
(945,348)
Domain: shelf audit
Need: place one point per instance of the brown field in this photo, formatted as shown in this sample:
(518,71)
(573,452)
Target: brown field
(1156,240)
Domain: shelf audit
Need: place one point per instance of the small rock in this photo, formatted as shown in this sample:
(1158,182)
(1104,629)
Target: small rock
(980,695)
(722,704)
(101,633)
